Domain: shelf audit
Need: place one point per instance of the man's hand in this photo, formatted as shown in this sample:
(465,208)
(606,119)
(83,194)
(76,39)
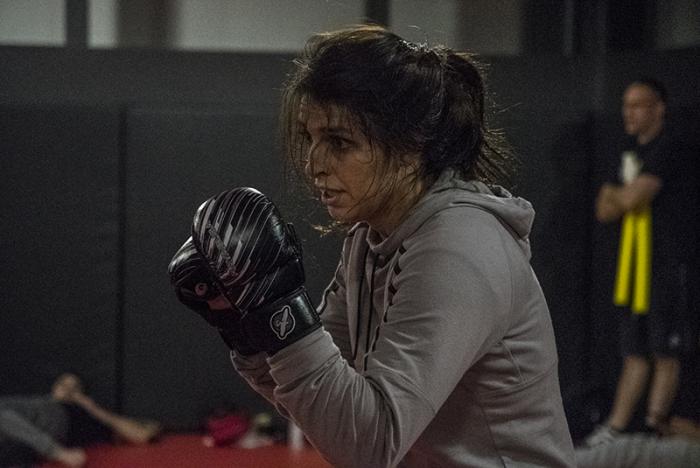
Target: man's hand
(613,201)
(607,209)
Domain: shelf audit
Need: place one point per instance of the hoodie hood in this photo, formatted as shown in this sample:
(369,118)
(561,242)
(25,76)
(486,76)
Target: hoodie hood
(514,213)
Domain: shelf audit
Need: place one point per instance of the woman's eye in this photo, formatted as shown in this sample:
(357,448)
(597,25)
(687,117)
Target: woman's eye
(338,143)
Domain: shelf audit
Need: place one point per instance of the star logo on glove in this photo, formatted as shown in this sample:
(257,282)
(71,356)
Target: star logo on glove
(282,322)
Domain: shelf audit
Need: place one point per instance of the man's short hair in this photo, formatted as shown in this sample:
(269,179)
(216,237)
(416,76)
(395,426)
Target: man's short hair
(655,85)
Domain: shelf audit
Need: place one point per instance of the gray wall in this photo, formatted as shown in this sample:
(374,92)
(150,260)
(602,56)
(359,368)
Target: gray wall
(106,155)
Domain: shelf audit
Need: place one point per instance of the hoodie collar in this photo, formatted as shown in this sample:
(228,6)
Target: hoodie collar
(450,191)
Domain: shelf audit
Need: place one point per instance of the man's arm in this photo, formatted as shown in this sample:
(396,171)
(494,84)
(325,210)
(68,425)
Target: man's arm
(615,200)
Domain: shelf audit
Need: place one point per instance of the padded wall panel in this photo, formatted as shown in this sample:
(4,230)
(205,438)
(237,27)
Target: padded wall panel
(555,178)
(59,247)
(548,128)
(177,368)
(678,69)
(139,75)
(605,359)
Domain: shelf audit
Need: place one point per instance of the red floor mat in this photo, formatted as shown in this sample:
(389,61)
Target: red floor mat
(187,451)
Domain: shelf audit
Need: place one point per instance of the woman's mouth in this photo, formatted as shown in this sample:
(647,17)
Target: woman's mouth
(330,197)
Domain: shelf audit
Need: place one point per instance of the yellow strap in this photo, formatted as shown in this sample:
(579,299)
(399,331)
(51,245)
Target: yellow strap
(642,280)
(635,247)
(621,294)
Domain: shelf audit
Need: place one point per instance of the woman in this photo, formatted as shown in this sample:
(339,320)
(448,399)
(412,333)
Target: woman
(437,347)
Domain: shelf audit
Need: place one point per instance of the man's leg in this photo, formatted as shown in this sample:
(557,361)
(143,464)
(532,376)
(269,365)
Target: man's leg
(630,387)
(662,392)
(631,383)
(668,327)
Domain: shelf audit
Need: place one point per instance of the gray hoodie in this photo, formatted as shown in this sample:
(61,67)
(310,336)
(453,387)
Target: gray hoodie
(437,348)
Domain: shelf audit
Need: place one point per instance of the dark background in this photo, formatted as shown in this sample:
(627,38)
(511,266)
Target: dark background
(105,155)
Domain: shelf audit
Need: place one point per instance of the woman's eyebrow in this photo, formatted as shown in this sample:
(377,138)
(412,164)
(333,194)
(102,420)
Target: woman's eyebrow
(338,130)
(330,128)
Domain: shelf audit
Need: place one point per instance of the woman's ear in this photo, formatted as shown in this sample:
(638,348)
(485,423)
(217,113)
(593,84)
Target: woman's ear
(410,164)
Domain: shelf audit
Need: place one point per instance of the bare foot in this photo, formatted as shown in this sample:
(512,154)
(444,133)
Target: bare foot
(142,431)
(75,458)
(151,430)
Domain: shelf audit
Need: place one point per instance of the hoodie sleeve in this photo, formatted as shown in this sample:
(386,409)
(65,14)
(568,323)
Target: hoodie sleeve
(451,302)
(255,370)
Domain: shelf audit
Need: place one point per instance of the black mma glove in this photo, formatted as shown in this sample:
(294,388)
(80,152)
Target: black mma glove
(255,260)
(194,286)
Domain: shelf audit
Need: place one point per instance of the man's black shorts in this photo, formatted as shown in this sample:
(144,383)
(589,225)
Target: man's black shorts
(670,326)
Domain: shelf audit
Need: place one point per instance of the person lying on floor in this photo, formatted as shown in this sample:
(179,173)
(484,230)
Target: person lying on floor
(56,426)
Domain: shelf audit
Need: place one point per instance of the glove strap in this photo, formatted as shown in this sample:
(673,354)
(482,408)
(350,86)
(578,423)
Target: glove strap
(277,325)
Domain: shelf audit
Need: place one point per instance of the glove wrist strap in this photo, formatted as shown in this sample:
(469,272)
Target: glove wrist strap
(277,325)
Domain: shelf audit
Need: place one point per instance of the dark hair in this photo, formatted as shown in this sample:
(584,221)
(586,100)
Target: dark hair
(407,98)
(656,86)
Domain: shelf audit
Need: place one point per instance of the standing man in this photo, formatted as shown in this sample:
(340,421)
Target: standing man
(656,202)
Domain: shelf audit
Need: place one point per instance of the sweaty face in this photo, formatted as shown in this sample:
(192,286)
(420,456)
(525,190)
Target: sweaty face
(642,110)
(343,164)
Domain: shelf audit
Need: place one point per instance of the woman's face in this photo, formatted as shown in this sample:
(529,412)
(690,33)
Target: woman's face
(344,165)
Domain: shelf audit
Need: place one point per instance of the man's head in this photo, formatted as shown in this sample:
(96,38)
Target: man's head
(644,109)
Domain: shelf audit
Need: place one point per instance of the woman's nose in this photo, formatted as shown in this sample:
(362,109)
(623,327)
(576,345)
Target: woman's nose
(316,162)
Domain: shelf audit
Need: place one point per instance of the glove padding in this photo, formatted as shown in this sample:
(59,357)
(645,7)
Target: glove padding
(254,258)
(194,286)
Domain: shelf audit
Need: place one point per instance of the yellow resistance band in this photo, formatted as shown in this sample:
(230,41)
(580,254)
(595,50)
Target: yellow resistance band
(635,247)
